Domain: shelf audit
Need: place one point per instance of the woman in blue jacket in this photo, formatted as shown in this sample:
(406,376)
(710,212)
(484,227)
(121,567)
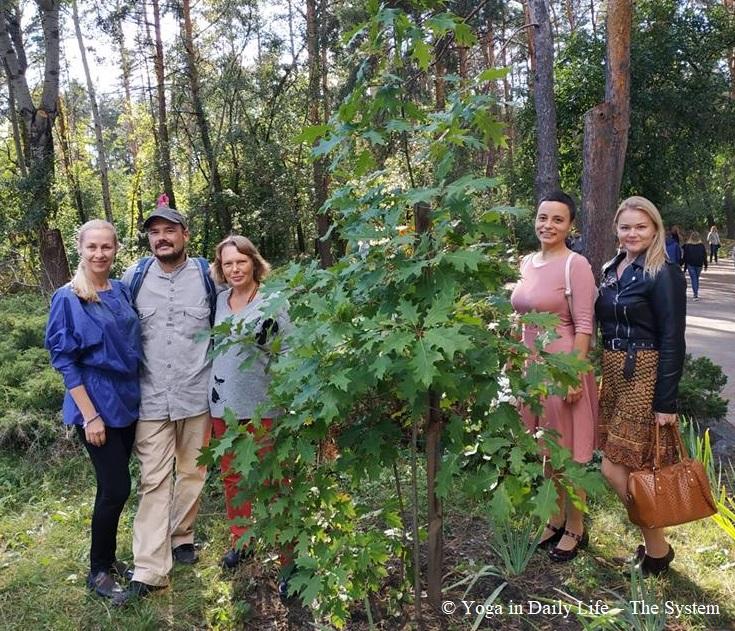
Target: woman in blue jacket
(93,337)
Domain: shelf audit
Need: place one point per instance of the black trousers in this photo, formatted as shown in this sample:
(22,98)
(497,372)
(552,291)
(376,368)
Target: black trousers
(713,248)
(110,463)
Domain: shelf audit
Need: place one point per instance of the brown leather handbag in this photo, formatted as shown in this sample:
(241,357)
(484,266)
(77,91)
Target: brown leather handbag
(676,494)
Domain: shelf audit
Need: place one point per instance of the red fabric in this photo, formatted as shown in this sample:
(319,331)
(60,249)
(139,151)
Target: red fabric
(232,479)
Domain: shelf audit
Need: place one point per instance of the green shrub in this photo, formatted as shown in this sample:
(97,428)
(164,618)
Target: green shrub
(700,388)
(31,391)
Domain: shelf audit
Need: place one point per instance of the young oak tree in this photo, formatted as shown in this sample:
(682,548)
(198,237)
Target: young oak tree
(412,326)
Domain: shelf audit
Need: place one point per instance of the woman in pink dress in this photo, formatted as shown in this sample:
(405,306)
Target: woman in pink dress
(546,277)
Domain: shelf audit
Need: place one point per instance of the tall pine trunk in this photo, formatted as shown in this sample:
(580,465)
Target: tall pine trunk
(67,161)
(320,178)
(223,217)
(606,139)
(134,197)
(547,154)
(101,152)
(164,163)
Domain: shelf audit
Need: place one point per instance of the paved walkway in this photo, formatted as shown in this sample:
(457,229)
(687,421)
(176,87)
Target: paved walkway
(711,323)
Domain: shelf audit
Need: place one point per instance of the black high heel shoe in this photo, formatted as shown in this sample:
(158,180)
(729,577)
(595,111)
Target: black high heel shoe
(553,539)
(655,566)
(561,556)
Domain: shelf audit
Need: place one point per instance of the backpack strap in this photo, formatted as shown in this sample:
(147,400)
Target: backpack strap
(209,286)
(141,269)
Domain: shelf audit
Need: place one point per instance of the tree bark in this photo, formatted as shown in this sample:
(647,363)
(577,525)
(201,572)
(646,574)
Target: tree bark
(66,160)
(319,167)
(101,152)
(606,139)
(223,217)
(547,155)
(13,112)
(163,138)
(38,122)
(571,15)
(136,202)
(730,210)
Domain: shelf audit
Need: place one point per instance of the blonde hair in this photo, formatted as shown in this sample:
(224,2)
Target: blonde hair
(694,237)
(81,285)
(656,253)
(261,267)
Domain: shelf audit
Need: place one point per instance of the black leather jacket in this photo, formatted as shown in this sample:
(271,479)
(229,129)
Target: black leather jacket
(638,307)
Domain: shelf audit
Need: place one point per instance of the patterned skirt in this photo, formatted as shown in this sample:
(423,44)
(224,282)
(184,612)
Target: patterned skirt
(626,422)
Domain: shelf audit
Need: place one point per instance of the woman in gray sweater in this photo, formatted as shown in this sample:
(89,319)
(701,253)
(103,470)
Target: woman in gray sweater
(239,378)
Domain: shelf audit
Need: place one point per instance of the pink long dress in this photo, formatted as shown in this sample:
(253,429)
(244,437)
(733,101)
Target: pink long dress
(541,288)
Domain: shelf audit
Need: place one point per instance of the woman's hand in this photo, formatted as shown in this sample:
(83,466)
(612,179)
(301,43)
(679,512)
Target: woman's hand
(95,432)
(665,419)
(573,394)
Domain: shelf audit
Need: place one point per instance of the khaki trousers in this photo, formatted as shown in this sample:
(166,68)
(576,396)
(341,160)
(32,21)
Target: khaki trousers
(164,519)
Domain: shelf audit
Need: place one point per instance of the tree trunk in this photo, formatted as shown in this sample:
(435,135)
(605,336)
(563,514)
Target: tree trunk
(223,217)
(38,123)
(488,48)
(66,160)
(101,153)
(136,202)
(730,7)
(319,172)
(13,113)
(730,210)
(163,139)
(571,15)
(606,139)
(148,40)
(547,160)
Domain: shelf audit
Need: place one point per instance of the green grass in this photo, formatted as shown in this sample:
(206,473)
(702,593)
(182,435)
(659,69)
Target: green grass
(45,506)
(44,544)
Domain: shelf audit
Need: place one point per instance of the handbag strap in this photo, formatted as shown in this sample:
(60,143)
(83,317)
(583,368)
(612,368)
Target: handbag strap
(680,446)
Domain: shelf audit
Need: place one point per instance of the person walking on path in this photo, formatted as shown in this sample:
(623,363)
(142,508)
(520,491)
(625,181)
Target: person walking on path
(93,337)
(235,385)
(173,296)
(641,309)
(713,238)
(695,257)
(673,249)
(561,282)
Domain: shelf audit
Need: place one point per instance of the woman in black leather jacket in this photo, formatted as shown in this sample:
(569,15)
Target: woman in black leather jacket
(641,308)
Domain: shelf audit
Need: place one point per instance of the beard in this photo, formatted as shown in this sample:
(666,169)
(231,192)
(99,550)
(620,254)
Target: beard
(173,256)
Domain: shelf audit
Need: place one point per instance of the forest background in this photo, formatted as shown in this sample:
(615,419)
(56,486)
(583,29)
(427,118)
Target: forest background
(388,158)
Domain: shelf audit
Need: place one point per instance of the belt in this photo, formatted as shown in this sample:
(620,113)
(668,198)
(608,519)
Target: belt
(623,344)
(630,347)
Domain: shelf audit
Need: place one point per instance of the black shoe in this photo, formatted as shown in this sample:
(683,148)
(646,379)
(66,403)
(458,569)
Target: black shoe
(104,585)
(553,539)
(561,556)
(283,588)
(233,558)
(121,570)
(186,553)
(283,579)
(135,590)
(655,566)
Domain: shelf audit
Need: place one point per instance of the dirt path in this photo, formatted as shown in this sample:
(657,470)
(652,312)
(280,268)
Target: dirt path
(711,323)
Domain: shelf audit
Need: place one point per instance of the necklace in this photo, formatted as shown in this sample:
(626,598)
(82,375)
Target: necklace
(250,298)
